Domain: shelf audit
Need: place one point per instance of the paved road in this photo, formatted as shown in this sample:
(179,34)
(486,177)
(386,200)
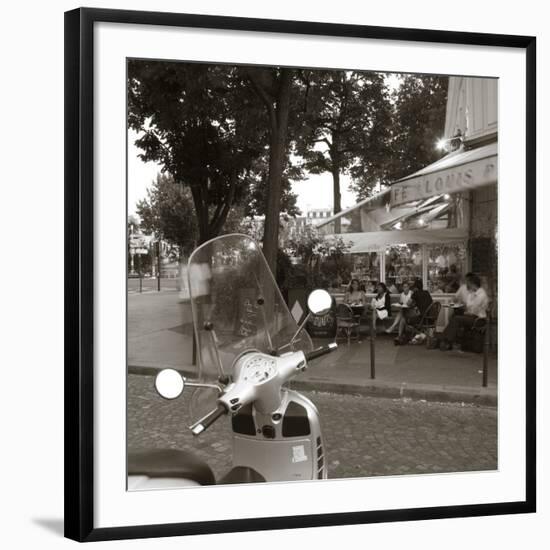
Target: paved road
(365,436)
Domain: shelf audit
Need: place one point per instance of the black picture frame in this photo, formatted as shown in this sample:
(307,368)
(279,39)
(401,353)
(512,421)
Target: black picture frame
(79,265)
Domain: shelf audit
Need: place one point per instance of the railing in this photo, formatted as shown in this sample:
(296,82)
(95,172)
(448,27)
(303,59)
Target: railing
(150,284)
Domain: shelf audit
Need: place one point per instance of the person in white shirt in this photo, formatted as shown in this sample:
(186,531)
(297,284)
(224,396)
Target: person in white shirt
(476,303)
(404,300)
(460,297)
(462,293)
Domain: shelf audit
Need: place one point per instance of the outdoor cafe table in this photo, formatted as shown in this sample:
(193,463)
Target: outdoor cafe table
(454,306)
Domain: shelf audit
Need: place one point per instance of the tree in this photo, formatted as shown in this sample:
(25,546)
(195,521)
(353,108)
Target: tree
(274,88)
(321,260)
(200,122)
(419,119)
(168,212)
(345,127)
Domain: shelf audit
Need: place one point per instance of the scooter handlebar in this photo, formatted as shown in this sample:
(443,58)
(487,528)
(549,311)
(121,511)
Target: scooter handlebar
(206,421)
(320,351)
(287,372)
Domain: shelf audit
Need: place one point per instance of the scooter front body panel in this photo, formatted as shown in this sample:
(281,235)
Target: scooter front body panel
(286,445)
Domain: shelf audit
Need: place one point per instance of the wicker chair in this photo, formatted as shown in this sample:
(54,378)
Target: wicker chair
(474,338)
(427,322)
(346,322)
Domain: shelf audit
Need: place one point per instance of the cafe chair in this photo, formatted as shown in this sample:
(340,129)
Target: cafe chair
(346,322)
(473,338)
(427,323)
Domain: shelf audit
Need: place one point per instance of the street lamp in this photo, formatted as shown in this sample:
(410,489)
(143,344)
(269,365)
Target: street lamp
(450,144)
(441,144)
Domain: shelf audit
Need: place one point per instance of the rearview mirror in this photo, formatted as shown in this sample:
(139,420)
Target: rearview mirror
(169,383)
(319,302)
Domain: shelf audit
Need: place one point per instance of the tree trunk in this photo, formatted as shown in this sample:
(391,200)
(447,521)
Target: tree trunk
(277,155)
(211,227)
(201,210)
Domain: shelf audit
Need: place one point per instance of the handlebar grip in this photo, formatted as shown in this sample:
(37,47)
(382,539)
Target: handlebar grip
(321,351)
(208,420)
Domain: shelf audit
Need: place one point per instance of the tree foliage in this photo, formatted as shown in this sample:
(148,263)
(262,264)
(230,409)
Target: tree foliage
(346,126)
(419,120)
(226,138)
(168,211)
(200,123)
(256,204)
(207,128)
(321,261)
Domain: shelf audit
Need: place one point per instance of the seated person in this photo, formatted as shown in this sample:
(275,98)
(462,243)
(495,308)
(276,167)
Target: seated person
(461,296)
(405,299)
(476,305)
(354,295)
(421,300)
(452,280)
(381,302)
(371,287)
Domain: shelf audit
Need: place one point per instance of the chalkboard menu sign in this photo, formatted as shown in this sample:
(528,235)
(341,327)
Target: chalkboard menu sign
(323,326)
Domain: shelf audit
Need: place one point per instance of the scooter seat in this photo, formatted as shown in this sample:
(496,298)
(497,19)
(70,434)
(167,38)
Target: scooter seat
(170,463)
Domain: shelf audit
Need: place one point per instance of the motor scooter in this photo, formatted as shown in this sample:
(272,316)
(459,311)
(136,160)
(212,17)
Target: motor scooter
(249,347)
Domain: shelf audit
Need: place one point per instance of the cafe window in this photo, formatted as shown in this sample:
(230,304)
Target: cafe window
(446,266)
(403,264)
(366,268)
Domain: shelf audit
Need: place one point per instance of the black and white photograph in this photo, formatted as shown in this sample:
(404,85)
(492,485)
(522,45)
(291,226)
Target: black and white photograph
(312,273)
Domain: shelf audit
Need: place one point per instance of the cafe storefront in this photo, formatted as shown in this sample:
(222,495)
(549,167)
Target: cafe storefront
(422,225)
(440,222)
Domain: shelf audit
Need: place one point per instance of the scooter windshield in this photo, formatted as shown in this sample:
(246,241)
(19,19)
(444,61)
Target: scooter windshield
(237,306)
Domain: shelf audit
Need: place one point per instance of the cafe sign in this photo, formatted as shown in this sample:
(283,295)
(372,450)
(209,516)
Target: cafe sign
(454,179)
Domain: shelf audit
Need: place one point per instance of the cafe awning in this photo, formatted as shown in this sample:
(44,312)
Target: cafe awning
(375,241)
(456,172)
(376,201)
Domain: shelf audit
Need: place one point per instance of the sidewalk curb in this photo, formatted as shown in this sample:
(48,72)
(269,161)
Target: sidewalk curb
(479,397)
(475,396)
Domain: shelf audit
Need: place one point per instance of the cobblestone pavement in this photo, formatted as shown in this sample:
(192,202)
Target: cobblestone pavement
(365,436)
